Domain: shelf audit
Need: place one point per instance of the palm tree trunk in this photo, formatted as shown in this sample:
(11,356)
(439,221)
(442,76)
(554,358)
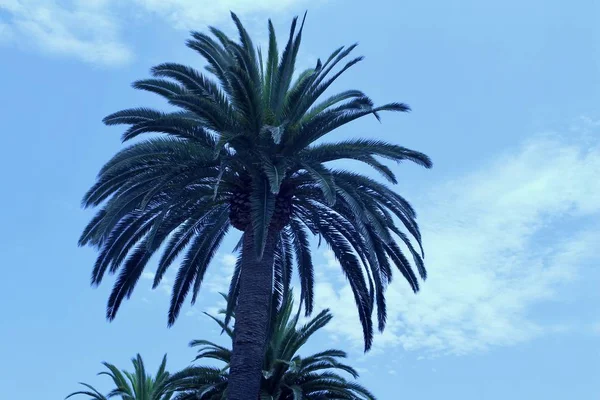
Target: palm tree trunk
(251,319)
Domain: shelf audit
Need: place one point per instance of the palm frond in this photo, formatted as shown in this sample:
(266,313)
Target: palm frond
(197,259)
(133,386)
(285,373)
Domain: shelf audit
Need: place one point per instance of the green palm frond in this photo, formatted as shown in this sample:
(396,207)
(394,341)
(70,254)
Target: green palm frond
(286,375)
(138,385)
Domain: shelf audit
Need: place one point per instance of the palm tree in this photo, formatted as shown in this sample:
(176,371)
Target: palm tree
(132,386)
(244,149)
(286,375)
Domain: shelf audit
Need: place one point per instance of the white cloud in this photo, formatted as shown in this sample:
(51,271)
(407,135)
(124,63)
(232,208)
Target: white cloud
(90,30)
(148,275)
(196,14)
(219,274)
(596,328)
(85,30)
(362,371)
(6,33)
(498,242)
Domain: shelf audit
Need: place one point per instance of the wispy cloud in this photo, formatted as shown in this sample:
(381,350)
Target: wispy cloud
(6,33)
(148,275)
(91,30)
(219,275)
(498,242)
(195,14)
(86,30)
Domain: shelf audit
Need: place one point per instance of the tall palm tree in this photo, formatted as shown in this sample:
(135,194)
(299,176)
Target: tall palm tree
(132,386)
(286,375)
(244,149)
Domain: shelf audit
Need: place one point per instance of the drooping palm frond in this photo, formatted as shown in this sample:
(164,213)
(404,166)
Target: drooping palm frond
(286,374)
(246,148)
(132,386)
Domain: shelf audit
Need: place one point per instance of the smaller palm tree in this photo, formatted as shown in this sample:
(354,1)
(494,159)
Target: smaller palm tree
(286,375)
(132,386)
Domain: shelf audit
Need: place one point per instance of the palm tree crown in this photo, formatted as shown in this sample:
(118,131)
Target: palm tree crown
(132,386)
(286,375)
(244,149)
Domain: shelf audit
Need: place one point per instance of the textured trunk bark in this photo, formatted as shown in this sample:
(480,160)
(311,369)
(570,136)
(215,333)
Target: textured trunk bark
(251,320)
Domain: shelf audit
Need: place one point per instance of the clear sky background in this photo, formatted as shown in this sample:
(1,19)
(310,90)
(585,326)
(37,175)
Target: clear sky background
(506,100)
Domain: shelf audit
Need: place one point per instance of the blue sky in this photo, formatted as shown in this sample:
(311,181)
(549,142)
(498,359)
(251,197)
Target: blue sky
(506,100)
